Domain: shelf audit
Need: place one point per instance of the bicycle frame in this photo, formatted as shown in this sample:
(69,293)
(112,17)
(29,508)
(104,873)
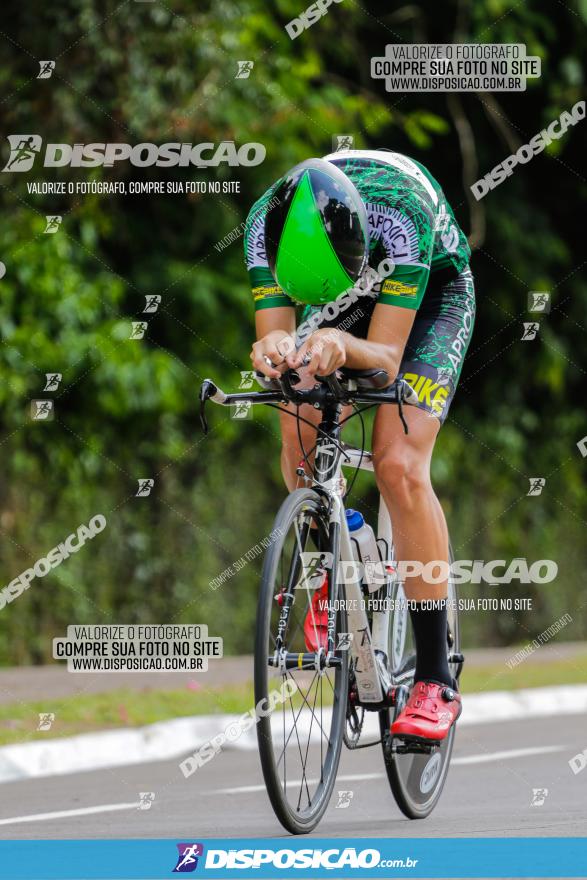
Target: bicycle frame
(365,641)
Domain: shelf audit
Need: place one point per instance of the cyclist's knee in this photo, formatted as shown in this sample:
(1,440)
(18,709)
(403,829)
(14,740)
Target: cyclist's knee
(403,475)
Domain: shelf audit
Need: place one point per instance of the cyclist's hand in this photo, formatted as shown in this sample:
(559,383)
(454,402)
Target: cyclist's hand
(273,348)
(323,352)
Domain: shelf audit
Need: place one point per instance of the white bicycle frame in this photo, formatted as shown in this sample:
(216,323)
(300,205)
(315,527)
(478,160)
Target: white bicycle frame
(365,641)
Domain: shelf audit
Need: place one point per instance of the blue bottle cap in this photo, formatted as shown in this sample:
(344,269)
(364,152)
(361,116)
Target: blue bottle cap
(354,520)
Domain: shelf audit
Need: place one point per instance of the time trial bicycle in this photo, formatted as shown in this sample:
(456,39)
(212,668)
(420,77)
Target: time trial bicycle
(365,661)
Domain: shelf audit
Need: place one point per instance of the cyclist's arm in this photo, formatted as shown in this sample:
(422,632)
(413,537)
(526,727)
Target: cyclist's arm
(389,329)
(276,329)
(329,348)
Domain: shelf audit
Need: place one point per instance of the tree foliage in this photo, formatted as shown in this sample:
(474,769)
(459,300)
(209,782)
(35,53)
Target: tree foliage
(126,408)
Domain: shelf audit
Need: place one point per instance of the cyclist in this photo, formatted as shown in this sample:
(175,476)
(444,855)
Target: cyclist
(367,243)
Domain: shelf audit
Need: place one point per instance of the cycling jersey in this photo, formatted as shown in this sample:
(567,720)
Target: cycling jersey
(410,222)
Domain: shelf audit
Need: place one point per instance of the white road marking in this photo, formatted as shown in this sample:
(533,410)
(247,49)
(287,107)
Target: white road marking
(64,814)
(359,777)
(505,756)
(246,789)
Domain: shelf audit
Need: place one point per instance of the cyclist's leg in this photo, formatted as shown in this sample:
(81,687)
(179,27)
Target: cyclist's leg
(402,467)
(432,364)
(291,451)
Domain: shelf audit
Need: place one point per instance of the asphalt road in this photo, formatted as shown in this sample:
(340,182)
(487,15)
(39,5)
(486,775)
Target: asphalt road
(488,793)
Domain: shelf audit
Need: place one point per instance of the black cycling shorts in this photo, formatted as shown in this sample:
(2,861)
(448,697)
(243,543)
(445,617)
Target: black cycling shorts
(437,344)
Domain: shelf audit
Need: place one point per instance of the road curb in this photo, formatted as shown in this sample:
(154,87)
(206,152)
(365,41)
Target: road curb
(178,737)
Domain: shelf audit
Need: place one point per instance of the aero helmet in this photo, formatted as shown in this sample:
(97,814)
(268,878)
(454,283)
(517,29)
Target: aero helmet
(317,236)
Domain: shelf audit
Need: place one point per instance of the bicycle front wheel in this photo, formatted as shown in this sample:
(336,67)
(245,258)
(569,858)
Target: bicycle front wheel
(300,740)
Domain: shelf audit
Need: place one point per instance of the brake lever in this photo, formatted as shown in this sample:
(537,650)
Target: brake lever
(204,396)
(208,389)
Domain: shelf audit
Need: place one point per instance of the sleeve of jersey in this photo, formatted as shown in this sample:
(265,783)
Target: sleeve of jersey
(408,239)
(405,287)
(267,294)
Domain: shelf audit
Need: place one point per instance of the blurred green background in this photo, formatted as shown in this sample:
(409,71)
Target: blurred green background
(126,409)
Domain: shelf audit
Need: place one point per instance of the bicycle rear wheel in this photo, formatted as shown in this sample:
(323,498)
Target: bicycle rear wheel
(417,778)
(300,741)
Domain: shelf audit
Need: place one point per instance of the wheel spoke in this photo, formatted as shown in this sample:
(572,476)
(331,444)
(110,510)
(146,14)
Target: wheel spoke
(301,760)
(300,710)
(308,744)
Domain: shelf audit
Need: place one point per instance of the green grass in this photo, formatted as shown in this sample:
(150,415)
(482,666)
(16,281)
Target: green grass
(118,708)
(129,708)
(527,674)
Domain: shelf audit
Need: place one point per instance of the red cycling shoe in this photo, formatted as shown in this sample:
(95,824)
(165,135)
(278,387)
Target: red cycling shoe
(430,712)
(316,622)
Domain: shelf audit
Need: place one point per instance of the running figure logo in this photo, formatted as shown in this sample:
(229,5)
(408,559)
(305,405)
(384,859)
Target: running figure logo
(46,69)
(146,800)
(344,800)
(538,301)
(138,329)
(52,381)
(152,302)
(531,328)
(53,223)
(537,484)
(188,857)
(42,410)
(23,151)
(244,69)
(315,566)
(247,379)
(539,796)
(46,719)
(241,410)
(342,142)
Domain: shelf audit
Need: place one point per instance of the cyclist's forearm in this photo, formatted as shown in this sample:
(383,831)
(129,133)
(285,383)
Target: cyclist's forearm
(278,320)
(363,354)
(275,340)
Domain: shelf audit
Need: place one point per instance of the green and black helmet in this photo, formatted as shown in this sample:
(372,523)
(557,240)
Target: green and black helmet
(316,236)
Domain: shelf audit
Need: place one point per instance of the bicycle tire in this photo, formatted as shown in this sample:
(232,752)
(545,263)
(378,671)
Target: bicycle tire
(296,821)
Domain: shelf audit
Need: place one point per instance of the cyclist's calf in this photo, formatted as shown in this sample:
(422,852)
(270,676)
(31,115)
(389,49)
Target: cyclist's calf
(402,469)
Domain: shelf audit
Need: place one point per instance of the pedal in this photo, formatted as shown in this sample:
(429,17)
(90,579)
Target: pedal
(408,746)
(456,658)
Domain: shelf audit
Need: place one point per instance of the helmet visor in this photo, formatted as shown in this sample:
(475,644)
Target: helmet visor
(321,245)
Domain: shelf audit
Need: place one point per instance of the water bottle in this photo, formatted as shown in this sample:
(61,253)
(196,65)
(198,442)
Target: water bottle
(368,551)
